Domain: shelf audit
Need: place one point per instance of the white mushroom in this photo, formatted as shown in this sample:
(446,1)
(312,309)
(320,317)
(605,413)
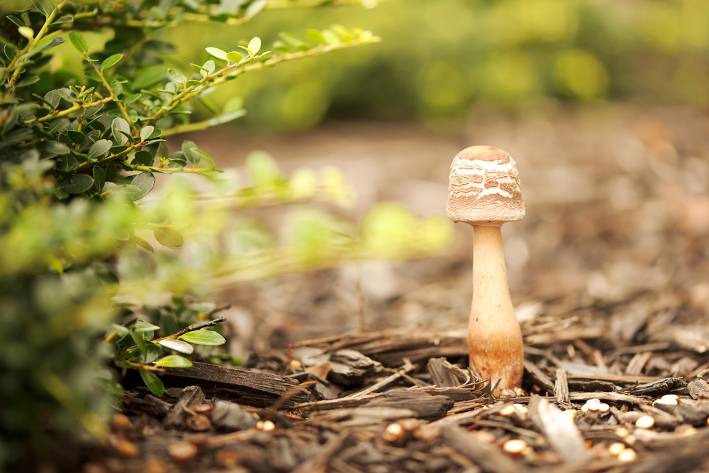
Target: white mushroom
(484,192)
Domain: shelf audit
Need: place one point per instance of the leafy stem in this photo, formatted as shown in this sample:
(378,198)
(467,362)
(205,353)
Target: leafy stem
(112,93)
(20,58)
(233,70)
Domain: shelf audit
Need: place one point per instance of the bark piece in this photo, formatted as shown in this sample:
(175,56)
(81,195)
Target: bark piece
(251,387)
(488,457)
(560,431)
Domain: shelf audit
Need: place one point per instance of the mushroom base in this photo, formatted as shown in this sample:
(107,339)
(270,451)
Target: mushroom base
(498,356)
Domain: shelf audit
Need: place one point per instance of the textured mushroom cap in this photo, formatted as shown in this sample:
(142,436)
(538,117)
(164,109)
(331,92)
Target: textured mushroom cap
(483,187)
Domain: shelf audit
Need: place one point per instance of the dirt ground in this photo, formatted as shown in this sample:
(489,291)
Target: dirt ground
(609,273)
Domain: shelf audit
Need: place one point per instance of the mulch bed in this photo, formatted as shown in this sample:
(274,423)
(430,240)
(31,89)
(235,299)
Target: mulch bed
(603,391)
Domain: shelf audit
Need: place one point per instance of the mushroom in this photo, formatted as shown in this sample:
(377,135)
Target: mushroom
(484,191)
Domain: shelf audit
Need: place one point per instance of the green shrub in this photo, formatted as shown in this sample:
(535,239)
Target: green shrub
(93,268)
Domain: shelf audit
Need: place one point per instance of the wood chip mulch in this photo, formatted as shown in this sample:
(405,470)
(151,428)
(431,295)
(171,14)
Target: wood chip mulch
(594,399)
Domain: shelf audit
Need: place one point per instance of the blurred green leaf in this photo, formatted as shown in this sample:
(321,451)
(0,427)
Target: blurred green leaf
(177,345)
(254,45)
(151,380)
(99,149)
(217,53)
(169,237)
(26,32)
(203,337)
(79,42)
(111,61)
(78,183)
(173,361)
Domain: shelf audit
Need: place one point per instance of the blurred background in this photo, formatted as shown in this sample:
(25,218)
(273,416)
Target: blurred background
(602,103)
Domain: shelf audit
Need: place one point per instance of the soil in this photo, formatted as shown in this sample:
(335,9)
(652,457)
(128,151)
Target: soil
(363,368)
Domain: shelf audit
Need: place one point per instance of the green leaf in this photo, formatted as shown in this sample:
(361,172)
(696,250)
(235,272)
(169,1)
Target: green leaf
(169,237)
(234,56)
(216,52)
(144,183)
(152,381)
(254,45)
(149,76)
(177,345)
(29,80)
(146,132)
(100,148)
(120,129)
(141,326)
(204,337)
(79,42)
(173,361)
(56,148)
(78,183)
(111,61)
(315,36)
(26,31)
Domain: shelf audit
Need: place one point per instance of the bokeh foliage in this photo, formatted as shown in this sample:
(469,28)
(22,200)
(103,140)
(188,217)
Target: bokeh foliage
(94,266)
(439,57)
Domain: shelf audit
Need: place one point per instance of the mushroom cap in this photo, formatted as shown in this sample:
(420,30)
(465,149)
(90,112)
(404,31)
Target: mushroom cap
(483,187)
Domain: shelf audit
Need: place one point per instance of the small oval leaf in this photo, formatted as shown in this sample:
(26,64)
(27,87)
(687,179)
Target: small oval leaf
(78,183)
(169,237)
(111,61)
(146,132)
(204,337)
(120,129)
(216,52)
(79,42)
(152,381)
(26,31)
(173,361)
(144,183)
(100,148)
(177,345)
(254,45)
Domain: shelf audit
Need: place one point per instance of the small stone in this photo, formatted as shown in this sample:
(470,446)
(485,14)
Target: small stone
(616,448)
(183,451)
(198,422)
(94,468)
(393,433)
(227,457)
(515,446)
(205,408)
(122,446)
(668,400)
(120,422)
(592,405)
(507,393)
(265,425)
(485,436)
(154,465)
(570,413)
(508,410)
(627,455)
(644,422)
(685,429)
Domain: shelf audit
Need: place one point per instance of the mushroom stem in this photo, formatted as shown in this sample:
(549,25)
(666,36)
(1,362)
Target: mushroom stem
(494,335)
